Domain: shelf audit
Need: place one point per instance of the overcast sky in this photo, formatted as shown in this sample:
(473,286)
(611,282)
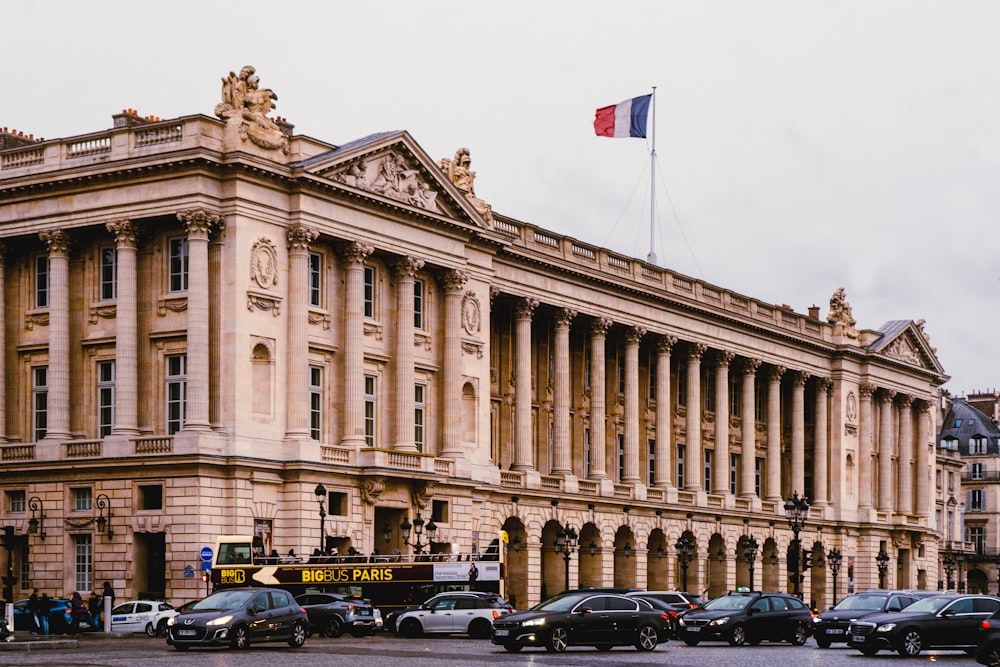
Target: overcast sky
(804,145)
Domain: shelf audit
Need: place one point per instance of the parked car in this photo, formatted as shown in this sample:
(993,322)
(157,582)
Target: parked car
(59,617)
(332,614)
(142,616)
(602,620)
(747,617)
(988,641)
(831,626)
(672,602)
(237,617)
(459,612)
(948,621)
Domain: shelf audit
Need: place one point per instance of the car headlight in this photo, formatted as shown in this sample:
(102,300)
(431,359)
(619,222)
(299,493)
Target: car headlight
(720,621)
(680,621)
(533,621)
(222,620)
(885,628)
(818,619)
(170,621)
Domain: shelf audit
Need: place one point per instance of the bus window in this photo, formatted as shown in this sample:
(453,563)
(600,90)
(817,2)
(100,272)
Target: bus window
(233,554)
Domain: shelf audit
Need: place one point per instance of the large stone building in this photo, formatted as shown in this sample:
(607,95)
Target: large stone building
(210,323)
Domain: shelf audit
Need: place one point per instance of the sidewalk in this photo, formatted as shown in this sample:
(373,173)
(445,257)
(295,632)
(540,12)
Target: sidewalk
(25,641)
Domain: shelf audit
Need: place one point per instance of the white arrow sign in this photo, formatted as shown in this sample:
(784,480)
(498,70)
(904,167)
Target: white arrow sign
(265,575)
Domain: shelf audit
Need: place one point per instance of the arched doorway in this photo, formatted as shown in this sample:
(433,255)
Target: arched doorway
(978,581)
(517,562)
(552,562)
(817,577)
(591,570)
(624,562)
(657,572)
(716,566)
(770,568)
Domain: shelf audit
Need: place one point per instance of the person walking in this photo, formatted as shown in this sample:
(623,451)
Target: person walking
(107,603)
(33,601)
(95,605)
(44,610)
(76,612)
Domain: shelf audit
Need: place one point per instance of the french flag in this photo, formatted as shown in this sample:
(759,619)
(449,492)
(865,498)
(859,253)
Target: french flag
(625,119)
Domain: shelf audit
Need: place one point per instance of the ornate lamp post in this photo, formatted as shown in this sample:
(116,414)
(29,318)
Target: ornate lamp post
(797,512)
(685,554)
(418,531)
(948,562)
(882,561)
(320,492)
(834,558)
(103,504)
(750,554)
(36,525)
(566,541)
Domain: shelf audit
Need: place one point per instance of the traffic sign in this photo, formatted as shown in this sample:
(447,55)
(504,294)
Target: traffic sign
(206,554)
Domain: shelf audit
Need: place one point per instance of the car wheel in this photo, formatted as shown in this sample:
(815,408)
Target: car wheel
(799,635)
(822,642)
(150,630)
(992,658)
(910,644)
(738,635)
(690,641)
(648,638)
(558,639)
(333,628)
(410,627)
(511,647)
(868,652)
(480,629)
(298,637)
(239,638)
(161,628)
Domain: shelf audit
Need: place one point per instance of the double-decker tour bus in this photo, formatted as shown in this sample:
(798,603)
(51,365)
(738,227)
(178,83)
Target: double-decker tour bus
(390,581)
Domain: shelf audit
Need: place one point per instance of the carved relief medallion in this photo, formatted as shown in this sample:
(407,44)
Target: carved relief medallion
(471,314)
(264,264)
(852,406)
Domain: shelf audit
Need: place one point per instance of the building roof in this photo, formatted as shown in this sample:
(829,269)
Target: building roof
(964,422)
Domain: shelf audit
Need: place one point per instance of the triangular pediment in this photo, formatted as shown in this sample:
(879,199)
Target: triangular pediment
(907,342)
(391,166)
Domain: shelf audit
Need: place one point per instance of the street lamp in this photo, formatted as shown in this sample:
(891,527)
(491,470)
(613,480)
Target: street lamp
(882,561)
(103,504)
(320,492)
(36,525)
(685,554)
(750,554)
(797,512)
(417,527)
(949,569)
(834,558)
(566,541)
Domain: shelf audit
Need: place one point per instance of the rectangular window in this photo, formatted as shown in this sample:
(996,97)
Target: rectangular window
(109,273)
(620,357)
(83,500)
(40,401)
(651,462)
(620,440)
(178,265)
(734,475)
(16,501)
(83,575)
(652,377)
(680,466)
(682,384)
(315,402)
(586,366)
(338,503)
(937,479)
(759,400)
(419,414)
(176,392)
(977,471)
(369,293)
(315,276)
(151,497)
(42,281)
(977,445)
(951,482)
(735,396)
(707,391)
(758,475)
(370,410)
(586,453)
(418,304)
(977,535)
(105,397)
(977,500)
(709,455)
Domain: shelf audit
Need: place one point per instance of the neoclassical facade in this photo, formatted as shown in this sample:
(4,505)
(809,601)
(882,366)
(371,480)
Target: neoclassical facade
(207,318)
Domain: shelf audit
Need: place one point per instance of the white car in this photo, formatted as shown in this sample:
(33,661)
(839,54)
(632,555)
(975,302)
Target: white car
(146,616)
(462,612)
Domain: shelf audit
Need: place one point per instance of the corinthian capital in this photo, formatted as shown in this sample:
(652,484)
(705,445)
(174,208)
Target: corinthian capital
(57,241)
(299,237)
(124,232)
(200,222)
(356,252)
(407,267)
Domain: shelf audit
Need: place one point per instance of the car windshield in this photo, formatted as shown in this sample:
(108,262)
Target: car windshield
(224,600)
(867,602)
(560,603)
(930,605)
(728,602)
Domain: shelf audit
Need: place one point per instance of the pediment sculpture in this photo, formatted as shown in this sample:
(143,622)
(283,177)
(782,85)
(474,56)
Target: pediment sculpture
(459,172)
(246,103)
(391,176)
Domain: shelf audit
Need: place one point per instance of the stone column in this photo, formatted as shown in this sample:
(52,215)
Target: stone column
(774,433)
(821,446)
(598,399)
(885,450)
(664,413)
(3,346)
(720,475)
(126,330)
(561,460)
(904,502)
(58,243)
(354,354)
(866,446)
(523,449)
(297,365)
(199,224)
(693,477)
(798,458)
(406,271)
(748,469)
(454,282)
(632,338)
(925,470)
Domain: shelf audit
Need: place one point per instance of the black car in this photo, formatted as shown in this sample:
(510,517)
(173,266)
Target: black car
(672,602)
(988,644)
(747,617)
(831,626)
(948,621)
(237,617)
(602,620)
(332,614)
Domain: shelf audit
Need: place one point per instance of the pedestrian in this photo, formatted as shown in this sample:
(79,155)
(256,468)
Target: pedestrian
(107,605)
(473,575)
(44,610)
(33,610)
(76,612)
(95,605)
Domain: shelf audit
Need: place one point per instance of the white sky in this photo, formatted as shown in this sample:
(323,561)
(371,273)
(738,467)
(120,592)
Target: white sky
(805,145)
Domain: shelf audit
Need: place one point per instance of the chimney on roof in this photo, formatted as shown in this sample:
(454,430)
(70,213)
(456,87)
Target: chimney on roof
(15,139)
(814,312)
(131,118)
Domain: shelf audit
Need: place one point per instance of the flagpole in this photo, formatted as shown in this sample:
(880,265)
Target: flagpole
(651,257)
